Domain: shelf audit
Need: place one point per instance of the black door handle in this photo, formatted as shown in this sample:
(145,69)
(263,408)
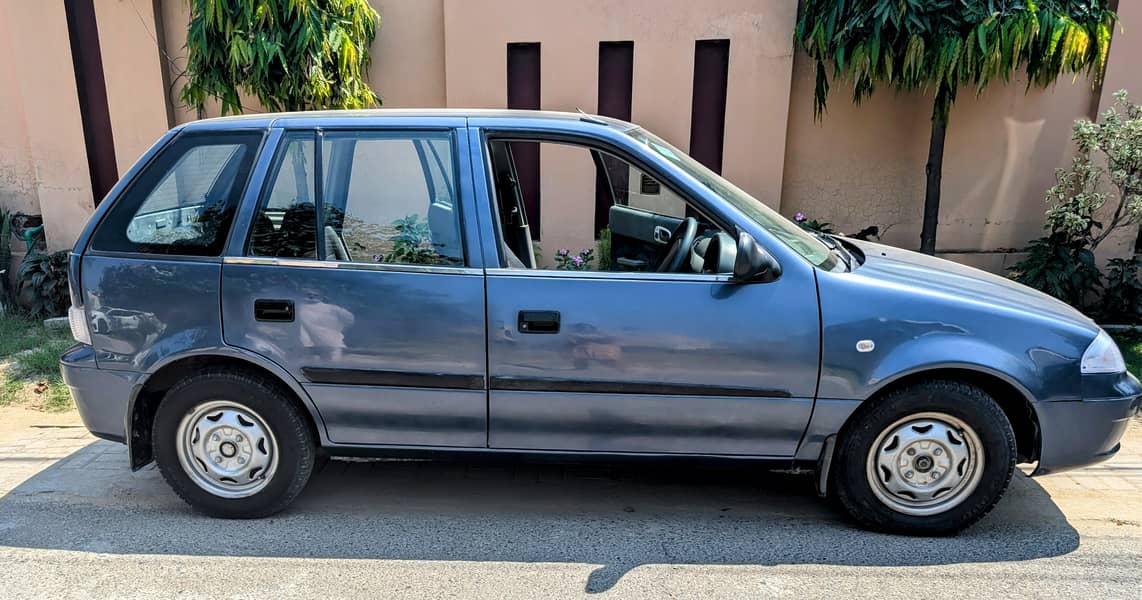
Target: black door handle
(273,310)
(538,321)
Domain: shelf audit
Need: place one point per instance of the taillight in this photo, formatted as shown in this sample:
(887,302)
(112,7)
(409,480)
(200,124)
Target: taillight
(77,318)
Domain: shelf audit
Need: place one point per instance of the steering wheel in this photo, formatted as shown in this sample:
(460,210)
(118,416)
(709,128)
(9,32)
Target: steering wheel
(680,242)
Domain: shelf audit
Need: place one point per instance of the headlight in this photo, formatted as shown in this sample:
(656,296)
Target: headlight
(1103,356)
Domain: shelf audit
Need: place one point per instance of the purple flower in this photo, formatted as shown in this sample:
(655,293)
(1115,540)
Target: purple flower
(378,258)
(799,217)
(577,261)
(587,252)
(564,252)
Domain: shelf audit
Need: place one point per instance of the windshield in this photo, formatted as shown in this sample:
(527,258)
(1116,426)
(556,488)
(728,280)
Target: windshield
(801,241)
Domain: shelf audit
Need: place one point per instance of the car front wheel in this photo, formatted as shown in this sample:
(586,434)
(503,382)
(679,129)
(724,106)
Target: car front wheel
(233,445)
(928,459)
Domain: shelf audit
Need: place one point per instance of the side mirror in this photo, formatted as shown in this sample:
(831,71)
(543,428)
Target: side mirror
(753,263)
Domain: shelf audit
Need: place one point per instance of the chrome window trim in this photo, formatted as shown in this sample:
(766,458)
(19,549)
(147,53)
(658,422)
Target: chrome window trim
(351,266)
(607,275)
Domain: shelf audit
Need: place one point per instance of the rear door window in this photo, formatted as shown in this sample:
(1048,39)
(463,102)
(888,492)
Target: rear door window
(184,201)
(386,196)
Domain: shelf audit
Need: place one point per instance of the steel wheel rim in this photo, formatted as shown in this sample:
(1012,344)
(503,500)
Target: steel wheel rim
(925,464)
(227,449)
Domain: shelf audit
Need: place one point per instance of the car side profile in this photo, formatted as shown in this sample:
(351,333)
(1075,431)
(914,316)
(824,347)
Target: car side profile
(260,292)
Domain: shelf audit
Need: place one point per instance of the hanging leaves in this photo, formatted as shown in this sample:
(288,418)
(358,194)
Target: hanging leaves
(288,54)
(943,44)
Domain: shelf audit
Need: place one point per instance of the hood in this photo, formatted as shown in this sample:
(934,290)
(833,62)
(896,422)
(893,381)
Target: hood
(908,269)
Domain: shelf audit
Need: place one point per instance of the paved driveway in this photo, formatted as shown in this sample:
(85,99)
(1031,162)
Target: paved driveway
(74,522)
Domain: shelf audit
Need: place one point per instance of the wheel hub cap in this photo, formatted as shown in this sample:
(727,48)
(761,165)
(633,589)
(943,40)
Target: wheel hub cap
(227,449)
(925,464)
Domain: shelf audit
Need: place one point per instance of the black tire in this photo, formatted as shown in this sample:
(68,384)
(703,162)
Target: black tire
(850,482)
(296,446)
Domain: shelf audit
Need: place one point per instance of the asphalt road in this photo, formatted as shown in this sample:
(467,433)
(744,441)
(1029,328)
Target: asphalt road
(83,526)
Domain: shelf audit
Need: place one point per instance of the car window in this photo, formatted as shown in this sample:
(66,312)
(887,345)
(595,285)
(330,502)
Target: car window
(184,201)
(800,241)
(285,224)
(599,212)
(397,201)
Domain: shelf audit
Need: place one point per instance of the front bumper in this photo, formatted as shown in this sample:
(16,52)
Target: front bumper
(101,395)
(1080,433)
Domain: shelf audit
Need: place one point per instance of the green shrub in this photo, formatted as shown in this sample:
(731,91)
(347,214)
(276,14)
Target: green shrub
(1061,263)
(605,249)
(1122,300)
(42,284)
(6,295)
(413,243)
(1061,266)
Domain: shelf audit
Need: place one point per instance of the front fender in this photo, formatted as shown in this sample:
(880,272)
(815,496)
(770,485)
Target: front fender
(1038,373)
(948,352)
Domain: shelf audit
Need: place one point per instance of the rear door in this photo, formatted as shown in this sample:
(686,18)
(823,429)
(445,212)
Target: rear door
(355,276)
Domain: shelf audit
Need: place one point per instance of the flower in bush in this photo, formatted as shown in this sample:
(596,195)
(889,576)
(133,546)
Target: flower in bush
(813,224)
(565,261)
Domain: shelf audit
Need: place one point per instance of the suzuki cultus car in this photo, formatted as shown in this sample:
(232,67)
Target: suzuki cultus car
(260,292)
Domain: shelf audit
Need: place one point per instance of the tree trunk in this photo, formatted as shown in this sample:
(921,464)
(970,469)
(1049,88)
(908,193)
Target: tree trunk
(934,171)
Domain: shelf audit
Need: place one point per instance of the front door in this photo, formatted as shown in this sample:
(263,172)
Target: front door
(607,354)
(354,277)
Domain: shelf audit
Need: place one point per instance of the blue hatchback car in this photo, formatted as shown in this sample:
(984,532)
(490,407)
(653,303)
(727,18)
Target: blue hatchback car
(260,292)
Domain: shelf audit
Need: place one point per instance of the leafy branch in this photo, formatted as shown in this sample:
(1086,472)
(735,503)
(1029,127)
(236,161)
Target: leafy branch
(289,54)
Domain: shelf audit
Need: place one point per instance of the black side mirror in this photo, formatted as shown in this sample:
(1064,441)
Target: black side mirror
(753,263)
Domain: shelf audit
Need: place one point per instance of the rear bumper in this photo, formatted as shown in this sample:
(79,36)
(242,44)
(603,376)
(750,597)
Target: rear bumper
(101,395)
(1081,433)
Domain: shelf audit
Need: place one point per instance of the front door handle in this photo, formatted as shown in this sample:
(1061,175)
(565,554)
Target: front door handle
(273,310)
(538,321)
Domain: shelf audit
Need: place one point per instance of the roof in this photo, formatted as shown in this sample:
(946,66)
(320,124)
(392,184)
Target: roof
(308,118)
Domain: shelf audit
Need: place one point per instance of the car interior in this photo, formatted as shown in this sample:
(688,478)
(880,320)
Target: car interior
(641,239)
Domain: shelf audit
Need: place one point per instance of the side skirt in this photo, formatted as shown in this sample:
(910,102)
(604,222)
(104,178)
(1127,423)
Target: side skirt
(768,463)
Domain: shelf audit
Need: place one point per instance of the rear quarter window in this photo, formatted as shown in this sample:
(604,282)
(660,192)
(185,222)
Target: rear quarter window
(184,201)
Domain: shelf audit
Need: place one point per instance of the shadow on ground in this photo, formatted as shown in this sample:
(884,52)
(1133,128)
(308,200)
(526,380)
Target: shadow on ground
(618,517)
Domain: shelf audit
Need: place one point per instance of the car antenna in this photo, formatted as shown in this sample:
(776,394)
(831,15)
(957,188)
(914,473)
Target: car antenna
(589,118)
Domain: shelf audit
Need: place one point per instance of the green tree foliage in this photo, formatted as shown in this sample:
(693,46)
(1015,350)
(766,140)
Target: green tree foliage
(289,54)
(938,45)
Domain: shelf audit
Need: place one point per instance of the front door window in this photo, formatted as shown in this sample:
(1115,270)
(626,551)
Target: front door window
(603,213)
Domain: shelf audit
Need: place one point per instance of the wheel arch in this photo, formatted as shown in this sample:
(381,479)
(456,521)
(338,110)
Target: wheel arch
(1009,394)
(149,393)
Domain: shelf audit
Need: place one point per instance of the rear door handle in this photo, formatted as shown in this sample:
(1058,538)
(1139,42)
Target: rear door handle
(538,321)
(273,310)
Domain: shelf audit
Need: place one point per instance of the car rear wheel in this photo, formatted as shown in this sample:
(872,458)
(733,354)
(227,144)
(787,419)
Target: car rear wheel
(233,445)
(929,459)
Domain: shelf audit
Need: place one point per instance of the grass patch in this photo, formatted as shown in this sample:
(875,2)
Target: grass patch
(1130,343)
(29,364)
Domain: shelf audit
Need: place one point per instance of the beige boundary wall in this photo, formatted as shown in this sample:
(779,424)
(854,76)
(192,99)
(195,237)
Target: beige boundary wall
(859,166)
